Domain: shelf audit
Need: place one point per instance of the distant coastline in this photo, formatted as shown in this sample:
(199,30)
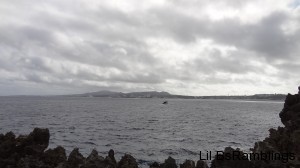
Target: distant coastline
(166,95)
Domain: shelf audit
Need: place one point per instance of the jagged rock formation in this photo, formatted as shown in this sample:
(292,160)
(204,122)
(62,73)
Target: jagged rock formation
(169,163)
(29,151)
(24,150)
(201,164)
(188,164)
(53,157)
(283,140)
(231,158)
(127,161)
(280,150)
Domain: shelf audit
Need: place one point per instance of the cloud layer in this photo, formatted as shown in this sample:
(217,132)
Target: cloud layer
(192,48)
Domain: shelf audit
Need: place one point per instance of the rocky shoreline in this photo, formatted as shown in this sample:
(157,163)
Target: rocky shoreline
(29,151)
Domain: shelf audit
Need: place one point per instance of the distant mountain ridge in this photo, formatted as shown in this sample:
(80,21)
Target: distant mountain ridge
(105,93)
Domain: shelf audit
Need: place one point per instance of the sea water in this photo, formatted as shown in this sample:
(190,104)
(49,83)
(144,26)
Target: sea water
(144,128)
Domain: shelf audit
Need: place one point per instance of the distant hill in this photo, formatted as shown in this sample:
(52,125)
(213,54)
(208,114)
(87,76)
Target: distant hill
(103,93)
(149,94)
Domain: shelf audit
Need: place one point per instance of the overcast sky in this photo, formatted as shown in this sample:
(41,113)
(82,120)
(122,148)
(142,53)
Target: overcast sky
(190,47)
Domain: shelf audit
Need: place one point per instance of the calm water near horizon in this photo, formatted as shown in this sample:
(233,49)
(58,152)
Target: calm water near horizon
(145,128)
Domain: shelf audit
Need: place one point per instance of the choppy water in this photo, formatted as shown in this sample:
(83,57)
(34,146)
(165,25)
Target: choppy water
(145,128)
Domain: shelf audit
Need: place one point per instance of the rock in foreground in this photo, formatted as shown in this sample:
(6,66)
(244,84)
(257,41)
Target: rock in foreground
(29,152)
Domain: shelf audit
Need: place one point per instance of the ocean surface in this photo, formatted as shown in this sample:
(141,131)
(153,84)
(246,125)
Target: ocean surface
(145,128)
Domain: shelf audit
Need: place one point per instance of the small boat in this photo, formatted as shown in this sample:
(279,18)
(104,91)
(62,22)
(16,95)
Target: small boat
(165,102)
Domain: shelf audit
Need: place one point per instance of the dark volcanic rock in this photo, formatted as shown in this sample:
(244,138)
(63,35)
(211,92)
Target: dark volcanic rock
(75,159)
(188,164)
(111,156)
(169,163)
(154,165)
(127,161)
(31,162)
(7,150)
(7,144)
(54,157)
(95,161)
(201,164)
(110,161)
(40,137)
(94,157)
(231,158)
(33,144)
(284,141)
(24,150)
(290,111)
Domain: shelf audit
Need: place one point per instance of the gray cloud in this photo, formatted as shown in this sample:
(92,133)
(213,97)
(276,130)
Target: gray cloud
(57,45)
(265,37)
(234,63)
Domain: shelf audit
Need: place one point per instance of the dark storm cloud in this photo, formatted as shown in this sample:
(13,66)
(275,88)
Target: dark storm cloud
(287,69)
(234,63)
(265,37)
